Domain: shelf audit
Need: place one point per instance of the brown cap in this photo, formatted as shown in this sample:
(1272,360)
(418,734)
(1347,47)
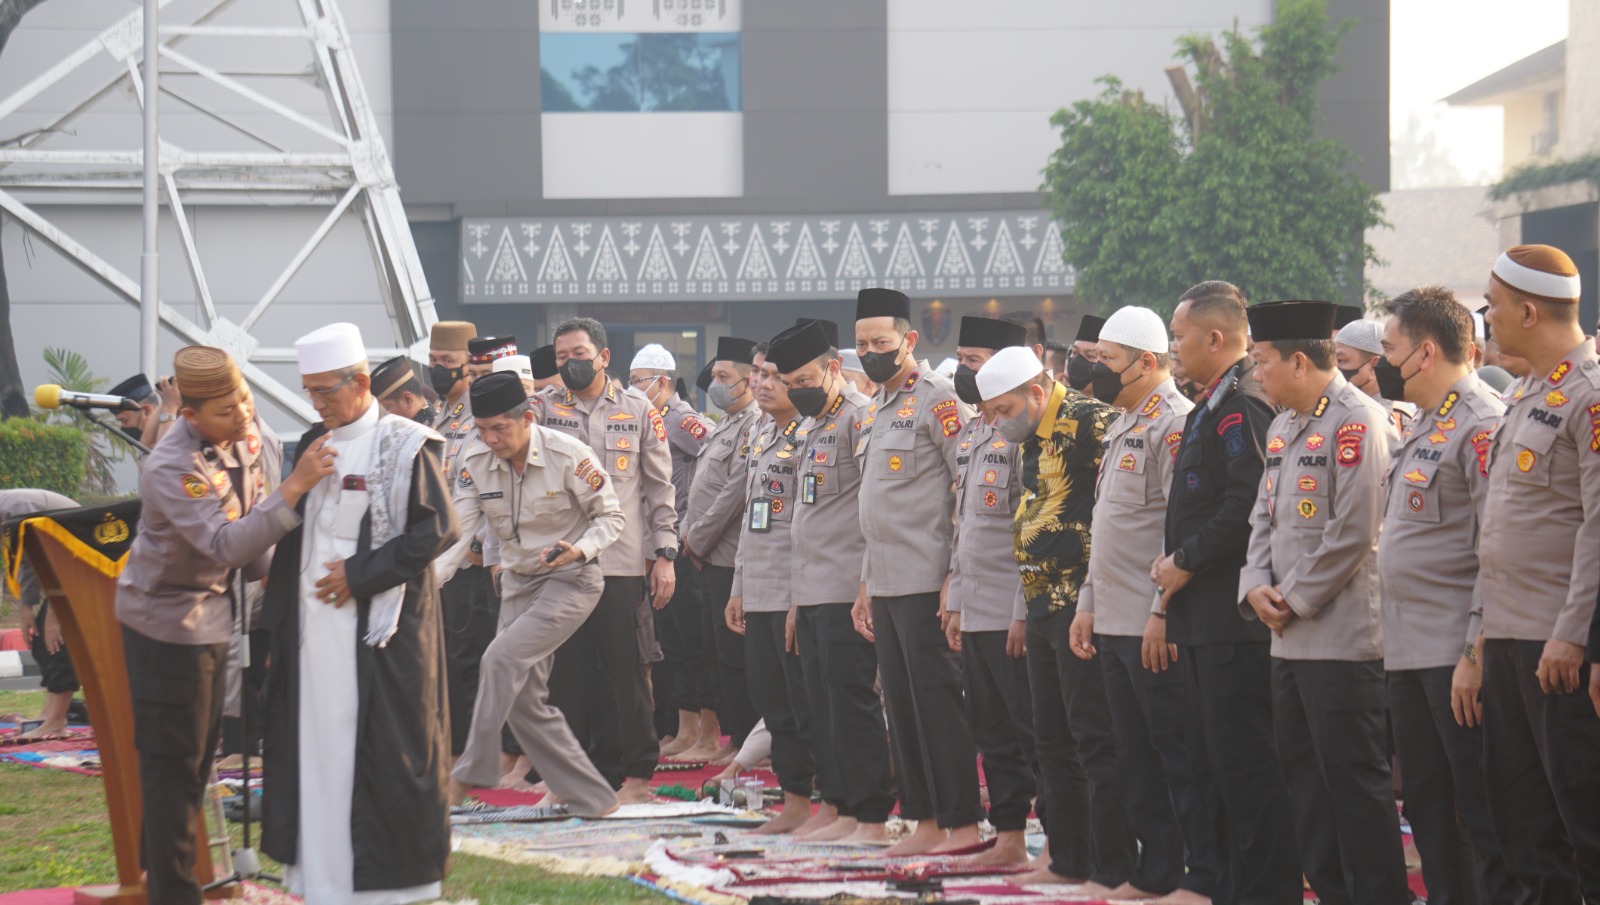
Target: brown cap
(1542,271)
(451,336)
(204,372)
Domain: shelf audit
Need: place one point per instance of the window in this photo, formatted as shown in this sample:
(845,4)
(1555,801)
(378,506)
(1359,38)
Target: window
(627,72)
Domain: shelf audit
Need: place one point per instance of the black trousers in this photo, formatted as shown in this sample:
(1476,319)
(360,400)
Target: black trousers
(1329,717)
(1441,773)
(848,738)
(686,677)
(177,692)
(56,674)
(1541,759)
(734,710)
(602,657)
(1000,708)
(935,761)
(1157,732)
(252,699)
(777,687)
(1077,752)
(471,617)
(1230,685)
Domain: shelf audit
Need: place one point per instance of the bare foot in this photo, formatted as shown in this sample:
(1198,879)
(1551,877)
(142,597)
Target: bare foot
(796,811)
(459,791)
(961,837)
(1183,897)
(1127,892)
(922,840)
(725,754)
(1046,876)
(540,788)
(1010,850)
(1095,890)
(868,834)
(701,752)
(837,831)
(514,782)
(634,791)
(826,816)
(45,731)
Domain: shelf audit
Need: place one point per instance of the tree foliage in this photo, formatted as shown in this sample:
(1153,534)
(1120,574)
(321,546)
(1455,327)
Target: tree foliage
(71,371)
(1239,187)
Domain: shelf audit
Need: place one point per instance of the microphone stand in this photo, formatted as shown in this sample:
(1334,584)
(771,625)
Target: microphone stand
(115,431)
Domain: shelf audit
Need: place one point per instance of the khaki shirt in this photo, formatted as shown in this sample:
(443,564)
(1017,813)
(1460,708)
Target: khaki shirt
(1130,511)
(985,587)
(627,434)
(717,495)
(195,528)
(1539,563)
(687,436)
(907,457)
(1314,528)
(460,432)
(762,570)
(828,547)
(562,495)
(1427,555)
(29,502)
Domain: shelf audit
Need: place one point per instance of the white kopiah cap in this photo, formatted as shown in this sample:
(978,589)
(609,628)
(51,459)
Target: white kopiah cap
(850,361)
(946,368)
(1137,328)
(520,365)
(1008,369)
(1361,335)
(330,348)
(654,357)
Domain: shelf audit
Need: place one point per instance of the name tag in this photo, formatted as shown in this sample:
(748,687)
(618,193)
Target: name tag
(808,489)
(760,515)
(352,506)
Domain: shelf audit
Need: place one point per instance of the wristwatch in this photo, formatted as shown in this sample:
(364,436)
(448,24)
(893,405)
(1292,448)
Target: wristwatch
(1180,559)
(164,417)
(667,553)
(1471,653)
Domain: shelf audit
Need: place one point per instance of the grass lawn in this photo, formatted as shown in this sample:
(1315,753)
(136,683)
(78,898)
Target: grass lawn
(56,835)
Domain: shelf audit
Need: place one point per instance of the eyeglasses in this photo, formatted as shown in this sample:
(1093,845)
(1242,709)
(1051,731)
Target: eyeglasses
(325,392)
(641,381)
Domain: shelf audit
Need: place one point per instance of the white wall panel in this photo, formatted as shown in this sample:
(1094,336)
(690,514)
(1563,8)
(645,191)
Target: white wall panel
(643,155)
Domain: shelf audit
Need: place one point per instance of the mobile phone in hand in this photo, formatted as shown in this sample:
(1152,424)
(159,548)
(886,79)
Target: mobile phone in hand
(553,555)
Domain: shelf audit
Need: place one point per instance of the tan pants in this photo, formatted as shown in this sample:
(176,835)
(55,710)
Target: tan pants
(537,615)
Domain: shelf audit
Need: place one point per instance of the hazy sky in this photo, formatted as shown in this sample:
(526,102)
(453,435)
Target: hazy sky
(1438,47)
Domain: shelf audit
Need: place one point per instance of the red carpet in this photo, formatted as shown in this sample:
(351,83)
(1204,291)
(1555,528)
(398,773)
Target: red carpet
(37,897)
(689,779)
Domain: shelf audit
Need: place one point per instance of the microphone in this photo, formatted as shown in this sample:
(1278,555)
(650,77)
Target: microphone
(51,396)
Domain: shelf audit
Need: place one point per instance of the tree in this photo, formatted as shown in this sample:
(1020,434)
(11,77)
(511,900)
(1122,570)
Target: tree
(1239,187)
(13,403)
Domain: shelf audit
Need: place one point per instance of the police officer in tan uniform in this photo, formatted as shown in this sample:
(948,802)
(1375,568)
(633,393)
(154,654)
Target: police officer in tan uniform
(205,526)
(1427,567)
(1539,574)
(627,434)
(1311,578)
(552,506)
(711,528)
(985,611)
(907,500)
(837,665)
(761,601)
(1157,732)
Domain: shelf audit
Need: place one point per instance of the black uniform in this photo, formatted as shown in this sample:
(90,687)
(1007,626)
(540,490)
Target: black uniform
(1224,658)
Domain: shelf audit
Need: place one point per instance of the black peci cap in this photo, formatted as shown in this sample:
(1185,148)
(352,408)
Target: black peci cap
(485,349)
(543,360)
(395,375)
(1089,329)
(496,394)
(878,302)
(704,380)
(1290,320)
(828,327)
(737,350)
(990,333)
(795,347)
(1346,314)
(136,388)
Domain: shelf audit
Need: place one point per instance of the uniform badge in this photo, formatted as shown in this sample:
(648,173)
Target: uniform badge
(819,456)
(1416,476)
(253,444)
(622,463)
(1322,406)
(822,478)
(1275,445)
(219,480)
(1192,481)
(694,426)
(622,443)
(1151,406)
(895,463)
(659,426)
(777,506)
(1560,373)
(949,417)
(1414,501)
(1307,484)
(1315,441)
(232,513)
(991,499)
(1137,429)
(990,476)
(620,416)
(775,486)
(1349,438)
(455,425)
(1556,399)
(465,478)
(1307,509)
(911,381)
(1448,404)
(1127,462)
(906,412)
(1480,445)
(998,444)
(194,487)
(1525,460)
(1438,438)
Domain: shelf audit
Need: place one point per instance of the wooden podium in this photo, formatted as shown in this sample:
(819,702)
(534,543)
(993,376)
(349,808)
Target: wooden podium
(84,599)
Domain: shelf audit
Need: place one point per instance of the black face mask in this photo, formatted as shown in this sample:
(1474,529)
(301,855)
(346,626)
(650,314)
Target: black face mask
(1350,373)
(880,366)
(808,401)
(443,378)
(1105,383)
(133,433)
(1391,381)
(967,385)
(1080,372)
(578,373)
